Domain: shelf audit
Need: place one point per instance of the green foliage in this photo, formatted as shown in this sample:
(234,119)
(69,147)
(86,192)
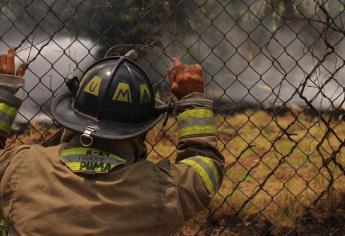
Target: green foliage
(128,21)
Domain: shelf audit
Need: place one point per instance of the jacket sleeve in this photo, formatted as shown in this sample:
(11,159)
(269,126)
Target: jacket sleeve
(9,104)
(199,168)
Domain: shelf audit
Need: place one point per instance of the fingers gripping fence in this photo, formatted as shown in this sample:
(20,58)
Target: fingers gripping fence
(274,68)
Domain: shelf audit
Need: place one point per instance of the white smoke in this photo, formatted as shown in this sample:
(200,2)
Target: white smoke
(259,68)
(54,60)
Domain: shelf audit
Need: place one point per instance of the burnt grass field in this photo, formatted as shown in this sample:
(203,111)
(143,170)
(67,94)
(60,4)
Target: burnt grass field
(281,177)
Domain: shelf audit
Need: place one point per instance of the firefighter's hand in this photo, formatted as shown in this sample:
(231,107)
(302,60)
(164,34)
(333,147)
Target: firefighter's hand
(185,79)
(7,64)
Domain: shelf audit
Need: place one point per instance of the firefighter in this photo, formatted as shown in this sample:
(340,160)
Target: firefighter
(98,181)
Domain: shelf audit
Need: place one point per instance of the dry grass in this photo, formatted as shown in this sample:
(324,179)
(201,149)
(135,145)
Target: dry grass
(281,174)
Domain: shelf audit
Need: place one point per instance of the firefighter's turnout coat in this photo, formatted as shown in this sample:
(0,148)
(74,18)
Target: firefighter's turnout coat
(109,188)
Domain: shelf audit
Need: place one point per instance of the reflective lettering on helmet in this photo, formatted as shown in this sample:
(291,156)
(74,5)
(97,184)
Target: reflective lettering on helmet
(145,96)
(93,86)
(122,93)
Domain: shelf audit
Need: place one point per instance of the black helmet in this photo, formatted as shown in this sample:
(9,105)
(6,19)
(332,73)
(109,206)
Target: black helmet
(115,100)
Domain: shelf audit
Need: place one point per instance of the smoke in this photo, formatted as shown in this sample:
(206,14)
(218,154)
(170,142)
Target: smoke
(245,61)
(55,59)
(262,68)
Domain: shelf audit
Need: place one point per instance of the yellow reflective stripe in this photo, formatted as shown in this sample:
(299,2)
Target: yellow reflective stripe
(195,130)
(75,151)
(8,110)
(5,127)
(195,122)
(202,173)
(213,167)
(84,151)
(209,165)
(75,166)
(195,113)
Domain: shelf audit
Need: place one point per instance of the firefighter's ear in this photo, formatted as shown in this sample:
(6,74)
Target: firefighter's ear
(72,82)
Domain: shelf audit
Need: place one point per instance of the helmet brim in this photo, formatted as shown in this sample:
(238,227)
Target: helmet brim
(65,115)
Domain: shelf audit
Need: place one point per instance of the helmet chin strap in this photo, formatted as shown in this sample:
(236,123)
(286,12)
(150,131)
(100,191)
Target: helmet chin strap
(167,109)
(86,140)
(72,82)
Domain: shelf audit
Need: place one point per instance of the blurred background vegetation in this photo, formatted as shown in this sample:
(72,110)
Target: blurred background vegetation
(111,22)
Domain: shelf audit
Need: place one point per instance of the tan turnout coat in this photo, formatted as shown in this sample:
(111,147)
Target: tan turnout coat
(41,195)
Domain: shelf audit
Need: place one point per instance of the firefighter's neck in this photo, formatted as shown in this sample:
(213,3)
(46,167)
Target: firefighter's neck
(132,150)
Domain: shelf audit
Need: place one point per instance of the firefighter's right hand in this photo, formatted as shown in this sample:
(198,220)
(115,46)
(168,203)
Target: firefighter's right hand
(7,64)
(185,79)
(10,79)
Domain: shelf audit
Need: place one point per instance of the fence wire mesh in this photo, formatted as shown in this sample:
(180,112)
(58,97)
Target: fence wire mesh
(274,68)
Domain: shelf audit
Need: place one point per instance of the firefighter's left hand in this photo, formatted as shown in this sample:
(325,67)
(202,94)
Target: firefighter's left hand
(185,79)
(7,64)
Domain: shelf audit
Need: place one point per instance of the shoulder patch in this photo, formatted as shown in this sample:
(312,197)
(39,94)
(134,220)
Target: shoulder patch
(90,160)
(93,86)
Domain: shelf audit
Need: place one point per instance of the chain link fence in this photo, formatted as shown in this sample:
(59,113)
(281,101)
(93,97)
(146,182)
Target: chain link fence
(274,68)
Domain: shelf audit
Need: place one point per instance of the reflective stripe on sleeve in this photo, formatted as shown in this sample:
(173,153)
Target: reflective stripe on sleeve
(5,127)
(207,170)
(7,116)
(197,130)
(198,121)
(193,121)
(8,110)
(195,113)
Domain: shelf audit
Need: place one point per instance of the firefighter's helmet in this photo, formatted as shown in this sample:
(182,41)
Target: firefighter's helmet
(114,100)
